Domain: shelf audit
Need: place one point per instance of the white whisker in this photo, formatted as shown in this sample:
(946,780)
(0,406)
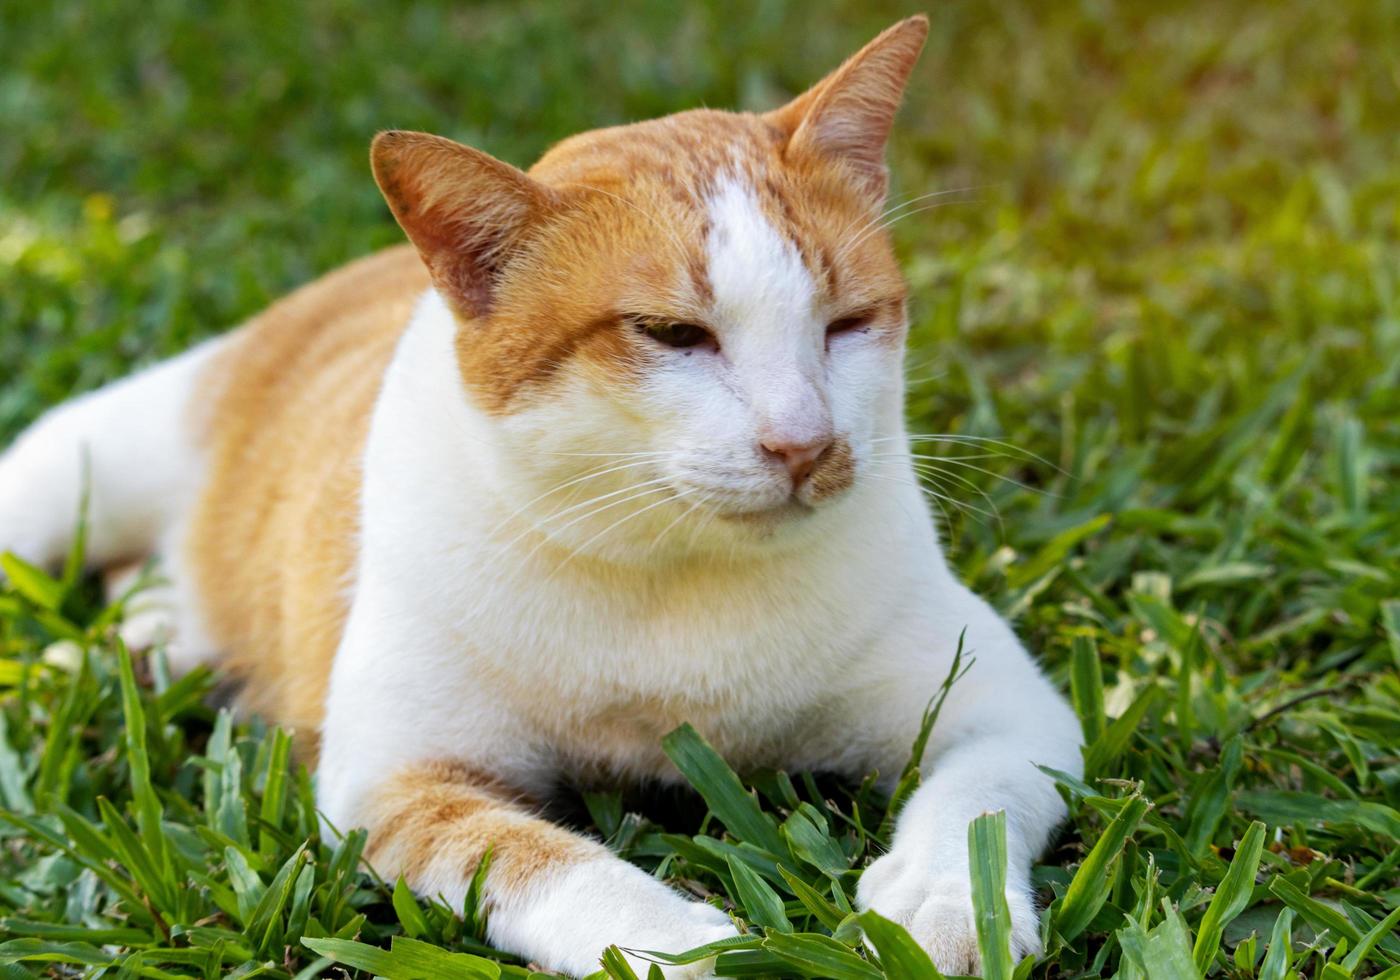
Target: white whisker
(650,488)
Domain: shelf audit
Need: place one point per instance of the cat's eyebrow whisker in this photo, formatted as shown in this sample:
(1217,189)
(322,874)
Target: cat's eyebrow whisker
(849,246)
(905,202)
(865,222)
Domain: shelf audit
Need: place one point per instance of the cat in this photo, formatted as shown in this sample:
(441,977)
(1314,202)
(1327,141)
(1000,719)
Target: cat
(615,444)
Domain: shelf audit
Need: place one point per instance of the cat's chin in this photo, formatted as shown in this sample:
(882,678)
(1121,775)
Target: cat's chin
(768,518)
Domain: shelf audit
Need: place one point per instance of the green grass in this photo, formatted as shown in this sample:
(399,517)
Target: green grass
(1177,280)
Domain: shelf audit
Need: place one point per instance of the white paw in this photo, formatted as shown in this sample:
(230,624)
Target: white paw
(937,911)
(697,925)
(566,922)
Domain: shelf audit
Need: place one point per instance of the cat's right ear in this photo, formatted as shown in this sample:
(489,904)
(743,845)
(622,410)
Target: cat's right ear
(463,209)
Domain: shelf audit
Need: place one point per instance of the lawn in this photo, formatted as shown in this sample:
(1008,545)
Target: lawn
(1167,286)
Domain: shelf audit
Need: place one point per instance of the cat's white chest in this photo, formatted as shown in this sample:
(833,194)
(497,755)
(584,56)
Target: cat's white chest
(464,641)
(603,669)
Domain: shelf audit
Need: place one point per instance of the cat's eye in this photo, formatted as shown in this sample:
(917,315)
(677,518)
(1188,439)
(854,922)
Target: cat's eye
(849,324)
(675,334)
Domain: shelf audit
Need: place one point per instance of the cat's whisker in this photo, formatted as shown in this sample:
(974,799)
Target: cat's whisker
(939,476)
(948,494)
(934,476)
(962,461)
(649,454)
(905,202)
(909,455)
(933,465)
(699,502)
(924,491)
(913,438)
(573,508)
(643,490)
(574,552)
(590,475)
(541,526)
(850,246)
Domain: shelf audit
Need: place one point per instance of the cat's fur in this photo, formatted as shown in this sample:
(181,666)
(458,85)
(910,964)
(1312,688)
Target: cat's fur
(454,513)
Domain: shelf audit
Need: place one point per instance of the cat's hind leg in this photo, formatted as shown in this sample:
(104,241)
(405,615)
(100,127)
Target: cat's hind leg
(133,447)
(160,606)
(132,444)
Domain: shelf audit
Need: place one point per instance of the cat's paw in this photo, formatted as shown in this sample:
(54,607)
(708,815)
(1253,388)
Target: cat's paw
(566,924)
(697,925)
(937,911)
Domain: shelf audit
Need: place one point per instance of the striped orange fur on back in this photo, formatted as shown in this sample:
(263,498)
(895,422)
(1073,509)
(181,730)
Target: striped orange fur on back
(272,542)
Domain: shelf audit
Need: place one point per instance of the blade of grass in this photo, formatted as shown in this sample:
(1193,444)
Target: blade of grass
(1231,897)
(762,904)
(986,854)
(721,790)
(1089,888)
(1086,688)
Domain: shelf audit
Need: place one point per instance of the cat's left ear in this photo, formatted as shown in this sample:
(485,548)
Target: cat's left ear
(847,116)
(465,211)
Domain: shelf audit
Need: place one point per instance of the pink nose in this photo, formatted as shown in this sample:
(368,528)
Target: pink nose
(799,457)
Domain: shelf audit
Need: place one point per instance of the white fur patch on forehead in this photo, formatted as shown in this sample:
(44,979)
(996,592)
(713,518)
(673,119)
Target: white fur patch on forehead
(755,273)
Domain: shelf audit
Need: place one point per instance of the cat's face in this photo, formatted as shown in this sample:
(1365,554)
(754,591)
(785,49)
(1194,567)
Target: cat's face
(685,332)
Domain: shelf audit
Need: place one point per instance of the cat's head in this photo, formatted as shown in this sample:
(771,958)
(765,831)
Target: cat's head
(682,332)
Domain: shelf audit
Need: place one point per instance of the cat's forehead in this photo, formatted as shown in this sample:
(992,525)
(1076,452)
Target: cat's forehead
(682,152)
(700,179)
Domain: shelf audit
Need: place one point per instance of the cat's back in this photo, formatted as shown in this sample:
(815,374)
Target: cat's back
(284,413)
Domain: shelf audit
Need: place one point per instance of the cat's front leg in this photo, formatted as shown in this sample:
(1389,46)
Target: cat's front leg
(924,881)
(551,896)
(998,722)
(435,764)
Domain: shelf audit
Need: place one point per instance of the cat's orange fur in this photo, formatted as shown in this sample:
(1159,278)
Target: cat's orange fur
(272,541)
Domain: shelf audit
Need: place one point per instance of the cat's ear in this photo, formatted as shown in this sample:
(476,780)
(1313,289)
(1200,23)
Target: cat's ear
(463,209)
(847,116)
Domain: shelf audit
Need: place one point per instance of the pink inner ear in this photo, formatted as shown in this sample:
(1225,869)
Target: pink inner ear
(462,209)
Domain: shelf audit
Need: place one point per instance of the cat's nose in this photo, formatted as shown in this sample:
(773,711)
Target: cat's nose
(800,457)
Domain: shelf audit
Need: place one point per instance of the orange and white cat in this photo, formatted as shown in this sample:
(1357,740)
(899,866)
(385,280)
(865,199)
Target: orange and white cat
(617,444)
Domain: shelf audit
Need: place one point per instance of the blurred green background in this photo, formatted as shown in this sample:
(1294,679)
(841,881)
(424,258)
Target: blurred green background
(1172,271)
